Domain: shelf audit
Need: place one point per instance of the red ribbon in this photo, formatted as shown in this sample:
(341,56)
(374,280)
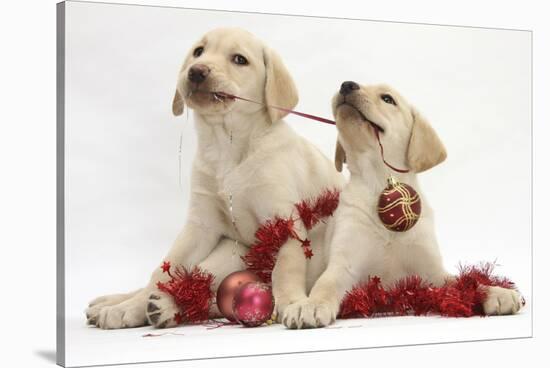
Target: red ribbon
(317,118)
(377,133)
(302,114)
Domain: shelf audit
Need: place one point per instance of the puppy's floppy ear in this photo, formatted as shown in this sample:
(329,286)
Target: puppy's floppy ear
(339,156)
(177,104)
(425,148)
(280,90)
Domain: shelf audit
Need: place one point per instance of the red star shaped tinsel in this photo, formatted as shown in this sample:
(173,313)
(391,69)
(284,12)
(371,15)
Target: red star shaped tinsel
(306,244)
(165,266)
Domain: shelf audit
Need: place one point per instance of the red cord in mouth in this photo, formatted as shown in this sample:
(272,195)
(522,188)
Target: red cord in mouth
(302,114)
(377,129)
(372,123)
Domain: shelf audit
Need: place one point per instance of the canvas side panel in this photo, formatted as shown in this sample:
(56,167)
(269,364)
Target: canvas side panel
(60,187)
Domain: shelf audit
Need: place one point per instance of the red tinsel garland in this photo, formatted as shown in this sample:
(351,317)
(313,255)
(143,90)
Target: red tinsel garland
(274,233)
(191,291)
(462,297)
(313,211)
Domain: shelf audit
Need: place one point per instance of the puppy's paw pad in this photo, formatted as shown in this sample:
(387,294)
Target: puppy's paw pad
(501,301)
(161,311)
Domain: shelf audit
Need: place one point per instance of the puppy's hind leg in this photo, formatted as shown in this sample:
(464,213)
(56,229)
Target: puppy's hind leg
(501,301)
(112,298)
(95,306)
(224,259)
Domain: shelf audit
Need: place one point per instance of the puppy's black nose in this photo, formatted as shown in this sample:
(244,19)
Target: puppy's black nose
(347,87)
(198,73)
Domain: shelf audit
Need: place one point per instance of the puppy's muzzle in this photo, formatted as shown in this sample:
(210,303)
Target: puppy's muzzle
(348,87)
(198,73)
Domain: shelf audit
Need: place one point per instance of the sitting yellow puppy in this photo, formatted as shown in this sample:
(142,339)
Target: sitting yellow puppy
(359,244)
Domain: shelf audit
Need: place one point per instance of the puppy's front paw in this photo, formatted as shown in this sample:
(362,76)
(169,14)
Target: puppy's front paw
(502,301)
(281,305)
(290,316)
(318,314)
(308,314)
(161,310)
(130,313)
(96,305)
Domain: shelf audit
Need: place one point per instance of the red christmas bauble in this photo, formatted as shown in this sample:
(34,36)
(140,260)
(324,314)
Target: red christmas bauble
(399,206)
(253,304)
(228,288)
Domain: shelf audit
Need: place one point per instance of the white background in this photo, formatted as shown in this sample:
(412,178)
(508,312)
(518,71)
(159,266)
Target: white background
(30,179)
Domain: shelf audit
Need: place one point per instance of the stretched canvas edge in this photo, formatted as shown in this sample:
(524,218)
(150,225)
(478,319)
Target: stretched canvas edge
(60,184)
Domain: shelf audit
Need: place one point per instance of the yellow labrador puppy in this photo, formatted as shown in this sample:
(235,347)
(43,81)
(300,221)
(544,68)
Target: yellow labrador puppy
(359,245)
(249,160)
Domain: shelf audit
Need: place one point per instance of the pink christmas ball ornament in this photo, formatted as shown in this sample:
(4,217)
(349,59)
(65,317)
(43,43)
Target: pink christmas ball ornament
(253,304)
(228,288)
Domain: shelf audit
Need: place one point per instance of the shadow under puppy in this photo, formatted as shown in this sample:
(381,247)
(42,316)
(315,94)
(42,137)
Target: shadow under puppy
(359,244)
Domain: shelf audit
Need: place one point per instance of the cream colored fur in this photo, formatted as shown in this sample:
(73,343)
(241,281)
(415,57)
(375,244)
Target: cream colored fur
(267,168)
(358,244)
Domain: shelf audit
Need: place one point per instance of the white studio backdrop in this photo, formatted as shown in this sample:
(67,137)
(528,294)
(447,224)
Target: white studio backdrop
(125,206)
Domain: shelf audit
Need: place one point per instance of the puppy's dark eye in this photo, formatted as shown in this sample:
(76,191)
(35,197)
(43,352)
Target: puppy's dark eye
(198,51)
(388,99)
(239,59)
